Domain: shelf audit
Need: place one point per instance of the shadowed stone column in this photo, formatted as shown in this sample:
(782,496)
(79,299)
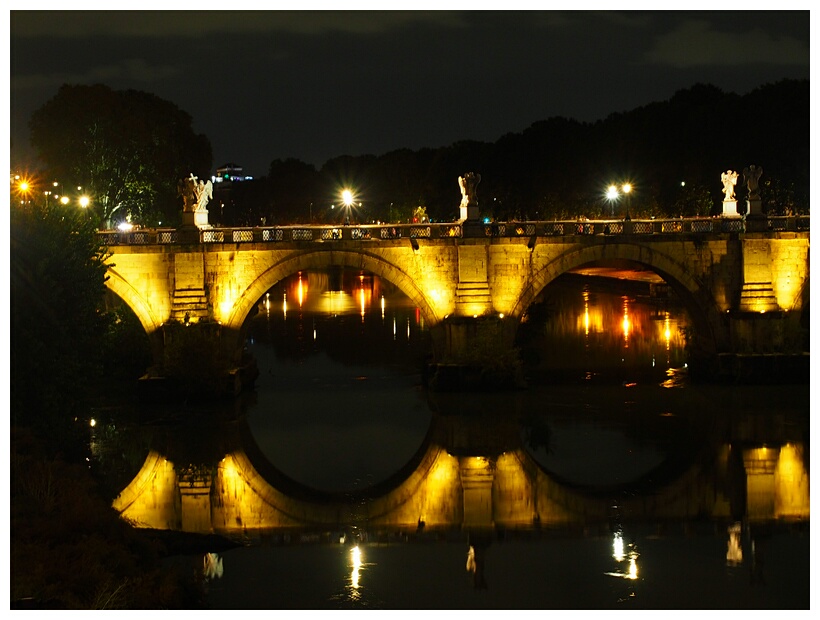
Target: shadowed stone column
(195,493)
(477,476)
(760,464)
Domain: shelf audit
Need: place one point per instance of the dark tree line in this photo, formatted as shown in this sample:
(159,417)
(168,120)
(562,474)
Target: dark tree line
(672,152)
(131,148)
(126,149)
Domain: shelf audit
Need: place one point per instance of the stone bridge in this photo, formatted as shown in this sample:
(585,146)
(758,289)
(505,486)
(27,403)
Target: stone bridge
(472,473)
(746,289)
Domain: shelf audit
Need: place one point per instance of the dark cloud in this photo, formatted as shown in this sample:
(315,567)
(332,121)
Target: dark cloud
(199,24)
(699,43)
(314,85)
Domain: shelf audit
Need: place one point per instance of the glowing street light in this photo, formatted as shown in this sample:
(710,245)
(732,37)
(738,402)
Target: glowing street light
(612,196)
(84,201)
(23,189)
(347,199)
(627,190)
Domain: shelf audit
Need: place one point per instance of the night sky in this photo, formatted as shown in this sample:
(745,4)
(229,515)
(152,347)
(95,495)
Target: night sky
(313,85)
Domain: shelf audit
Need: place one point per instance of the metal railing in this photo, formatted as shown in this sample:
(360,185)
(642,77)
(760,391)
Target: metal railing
(388,232)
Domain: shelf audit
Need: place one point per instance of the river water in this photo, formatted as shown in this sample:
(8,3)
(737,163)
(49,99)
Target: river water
(340,406)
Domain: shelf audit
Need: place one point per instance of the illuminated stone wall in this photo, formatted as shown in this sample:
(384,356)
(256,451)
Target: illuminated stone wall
(791,483)
(152,499)
(446,491)
(720,278)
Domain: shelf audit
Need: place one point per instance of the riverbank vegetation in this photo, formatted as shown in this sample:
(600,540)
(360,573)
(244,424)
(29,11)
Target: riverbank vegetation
(69,549)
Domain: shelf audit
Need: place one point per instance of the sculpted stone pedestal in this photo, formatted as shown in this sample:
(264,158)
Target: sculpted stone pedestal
(730,208)
(756,221)
(195,218)
(754,207)
(469,213)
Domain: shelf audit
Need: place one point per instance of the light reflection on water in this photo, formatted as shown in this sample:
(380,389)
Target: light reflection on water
(334,368)
(339,406)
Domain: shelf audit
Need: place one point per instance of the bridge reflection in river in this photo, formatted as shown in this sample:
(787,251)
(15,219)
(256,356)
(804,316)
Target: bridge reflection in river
(606,490)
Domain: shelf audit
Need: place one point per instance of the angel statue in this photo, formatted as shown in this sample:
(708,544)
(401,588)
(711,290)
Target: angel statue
(752,175)
(468,184)
(195,193)
(203,193)
(729,179)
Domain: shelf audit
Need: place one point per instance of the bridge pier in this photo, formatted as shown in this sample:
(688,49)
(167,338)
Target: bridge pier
(477,479)
(198,360)
(475,353)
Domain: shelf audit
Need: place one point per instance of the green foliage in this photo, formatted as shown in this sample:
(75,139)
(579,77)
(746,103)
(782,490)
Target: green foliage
(420,214)
(127,149)
(692,200)
(57,278)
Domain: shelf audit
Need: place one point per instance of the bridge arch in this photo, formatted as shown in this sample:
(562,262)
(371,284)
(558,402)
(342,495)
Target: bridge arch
(322,260)
(132,298)
(697,298)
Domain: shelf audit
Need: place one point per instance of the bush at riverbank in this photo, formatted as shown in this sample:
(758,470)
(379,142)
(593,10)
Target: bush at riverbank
(71,550)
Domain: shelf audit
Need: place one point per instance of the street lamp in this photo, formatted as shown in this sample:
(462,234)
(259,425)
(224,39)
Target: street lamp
(627,189)
(84,201)
(612,196)
(23,189)
(347,199)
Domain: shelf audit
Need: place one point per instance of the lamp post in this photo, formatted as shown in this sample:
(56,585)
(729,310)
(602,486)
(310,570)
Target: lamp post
(612,196)
(23,187)
(347,199)
(627,190)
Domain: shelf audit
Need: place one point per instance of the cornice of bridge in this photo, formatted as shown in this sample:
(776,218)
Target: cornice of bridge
(634,230)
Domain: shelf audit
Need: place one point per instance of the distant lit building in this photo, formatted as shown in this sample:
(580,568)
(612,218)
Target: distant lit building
(224,204)
(229,173)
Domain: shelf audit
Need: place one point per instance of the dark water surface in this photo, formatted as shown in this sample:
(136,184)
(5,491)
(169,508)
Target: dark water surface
(340,406)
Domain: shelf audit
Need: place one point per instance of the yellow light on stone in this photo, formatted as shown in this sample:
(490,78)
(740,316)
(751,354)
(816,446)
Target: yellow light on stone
(225,307)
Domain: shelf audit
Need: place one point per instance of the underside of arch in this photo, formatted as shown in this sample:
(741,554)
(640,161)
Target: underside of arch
(118,285)
(322,260)
(697,299)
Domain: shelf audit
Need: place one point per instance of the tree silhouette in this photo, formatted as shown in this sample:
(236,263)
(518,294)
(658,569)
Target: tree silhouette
(128,149)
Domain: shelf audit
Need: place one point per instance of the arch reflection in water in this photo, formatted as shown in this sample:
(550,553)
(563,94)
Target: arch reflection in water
(472,471)
(474,477)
